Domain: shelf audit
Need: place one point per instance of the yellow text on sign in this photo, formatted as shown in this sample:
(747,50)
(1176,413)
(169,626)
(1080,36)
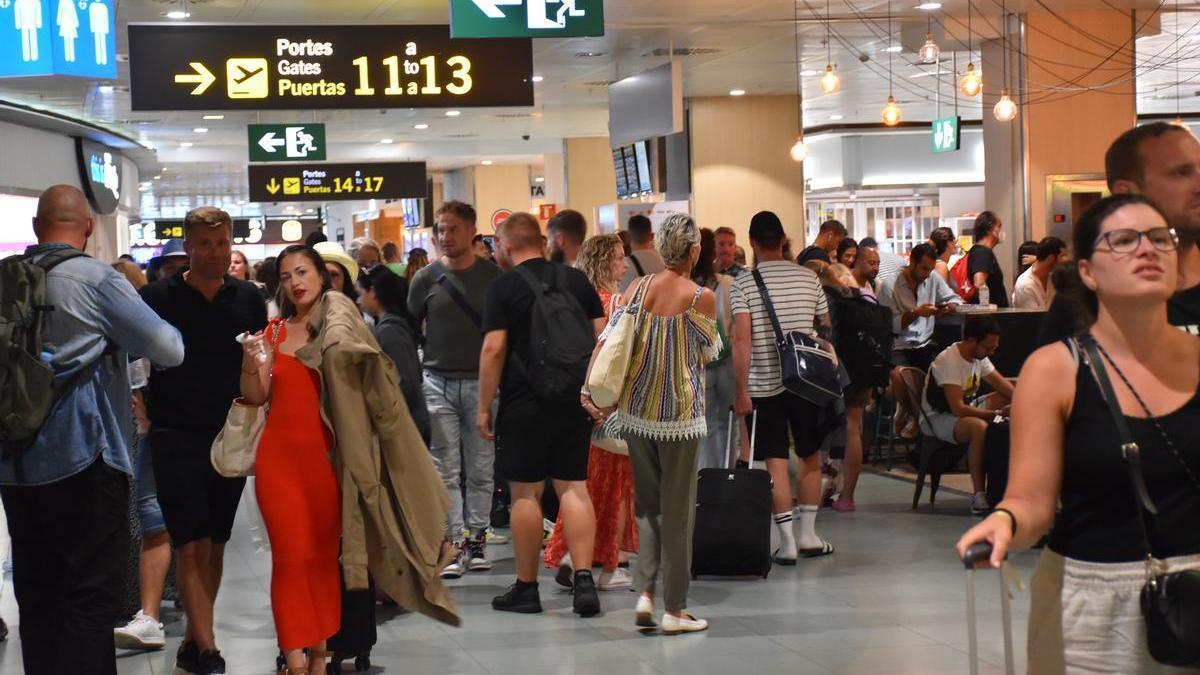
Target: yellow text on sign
(247,78)
(426,72)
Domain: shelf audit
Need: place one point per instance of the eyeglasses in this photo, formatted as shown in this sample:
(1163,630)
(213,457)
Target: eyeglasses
(1127,240)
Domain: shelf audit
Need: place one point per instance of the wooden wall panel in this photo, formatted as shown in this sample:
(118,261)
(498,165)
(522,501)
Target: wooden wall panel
(591,178)
(741,165)
(501,186)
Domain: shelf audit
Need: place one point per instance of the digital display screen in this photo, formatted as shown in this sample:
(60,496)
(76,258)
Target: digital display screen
(631,171)
(642,152)
(623,189)
(253,67)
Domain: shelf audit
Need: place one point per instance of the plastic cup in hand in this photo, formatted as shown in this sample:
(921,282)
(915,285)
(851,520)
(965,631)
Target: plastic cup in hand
(258,348)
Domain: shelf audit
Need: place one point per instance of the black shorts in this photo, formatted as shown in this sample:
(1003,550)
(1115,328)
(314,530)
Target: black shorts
(536,441)
(196,501)
(921,357)
(779,414)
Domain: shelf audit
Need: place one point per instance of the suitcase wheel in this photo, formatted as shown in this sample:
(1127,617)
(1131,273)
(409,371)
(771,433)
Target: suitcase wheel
(362,663)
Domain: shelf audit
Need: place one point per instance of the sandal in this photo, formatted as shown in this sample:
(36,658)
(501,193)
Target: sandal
(824,549)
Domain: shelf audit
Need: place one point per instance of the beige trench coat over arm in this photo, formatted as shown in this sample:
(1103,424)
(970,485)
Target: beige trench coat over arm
(394,505)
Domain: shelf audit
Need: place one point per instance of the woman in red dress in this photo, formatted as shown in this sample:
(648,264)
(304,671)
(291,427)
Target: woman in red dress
(297,489)
(610,477)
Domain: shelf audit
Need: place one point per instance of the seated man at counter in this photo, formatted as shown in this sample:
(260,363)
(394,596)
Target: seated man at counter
(916,297)
(1033,289)
(949,411)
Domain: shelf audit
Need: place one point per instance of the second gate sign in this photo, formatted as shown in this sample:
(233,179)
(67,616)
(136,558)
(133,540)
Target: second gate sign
(250,67)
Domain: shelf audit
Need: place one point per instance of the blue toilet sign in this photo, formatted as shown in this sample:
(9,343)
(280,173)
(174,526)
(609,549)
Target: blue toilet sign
(58,37)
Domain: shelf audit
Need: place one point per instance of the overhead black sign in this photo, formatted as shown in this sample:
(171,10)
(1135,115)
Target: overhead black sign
(100,174)
(336,182)
(251,67)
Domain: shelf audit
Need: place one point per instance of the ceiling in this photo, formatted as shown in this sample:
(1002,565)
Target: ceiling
(743,44)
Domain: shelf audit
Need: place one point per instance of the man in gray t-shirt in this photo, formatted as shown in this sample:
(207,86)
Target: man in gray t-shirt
(447,297)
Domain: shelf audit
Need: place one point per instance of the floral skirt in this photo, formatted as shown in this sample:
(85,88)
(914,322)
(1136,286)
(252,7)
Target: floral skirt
(610,486)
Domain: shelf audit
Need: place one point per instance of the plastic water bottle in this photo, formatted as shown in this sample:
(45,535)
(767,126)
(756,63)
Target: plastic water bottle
(985,296)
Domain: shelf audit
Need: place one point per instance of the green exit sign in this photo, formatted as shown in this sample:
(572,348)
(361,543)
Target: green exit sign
(286,142)
(526,18)
(945,136)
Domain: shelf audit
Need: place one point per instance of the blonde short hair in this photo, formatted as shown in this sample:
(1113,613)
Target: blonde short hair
(675,238)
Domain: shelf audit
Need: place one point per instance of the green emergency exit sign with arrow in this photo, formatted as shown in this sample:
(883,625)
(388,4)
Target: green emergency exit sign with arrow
(286,142)
(526,18)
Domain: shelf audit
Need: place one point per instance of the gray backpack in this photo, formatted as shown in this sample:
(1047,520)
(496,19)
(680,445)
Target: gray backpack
(27,392)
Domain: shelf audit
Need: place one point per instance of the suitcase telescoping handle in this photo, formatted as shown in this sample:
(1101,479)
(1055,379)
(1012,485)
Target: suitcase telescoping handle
(977,553)
(729,455)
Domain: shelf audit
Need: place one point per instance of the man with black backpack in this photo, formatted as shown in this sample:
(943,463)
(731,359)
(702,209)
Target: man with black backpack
(69,324)
(540,321)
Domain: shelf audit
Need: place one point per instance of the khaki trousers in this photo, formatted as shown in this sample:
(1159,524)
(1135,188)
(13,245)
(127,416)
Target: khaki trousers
(664,481)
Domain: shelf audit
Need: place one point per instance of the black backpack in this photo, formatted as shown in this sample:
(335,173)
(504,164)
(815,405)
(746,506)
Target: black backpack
(863,339)
(561,339)
(27,391)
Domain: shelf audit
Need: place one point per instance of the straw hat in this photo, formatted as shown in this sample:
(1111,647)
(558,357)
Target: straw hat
(333,252)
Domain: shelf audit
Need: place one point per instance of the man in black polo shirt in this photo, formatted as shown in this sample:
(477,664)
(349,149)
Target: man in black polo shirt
(187,407)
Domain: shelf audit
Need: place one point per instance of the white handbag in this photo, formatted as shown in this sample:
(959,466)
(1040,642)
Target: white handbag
(606,381)
(602,440)
(236,446)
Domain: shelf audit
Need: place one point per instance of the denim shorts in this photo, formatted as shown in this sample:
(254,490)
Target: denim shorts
(149,514)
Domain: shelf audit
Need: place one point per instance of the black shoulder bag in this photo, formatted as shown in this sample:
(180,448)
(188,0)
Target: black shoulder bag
(1170,601)
(806,370)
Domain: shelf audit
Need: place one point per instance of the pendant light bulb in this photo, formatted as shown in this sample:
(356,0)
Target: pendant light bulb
(1006,108)
(891,113)
(830,82)
(929,51)
(971,84)
(799,151)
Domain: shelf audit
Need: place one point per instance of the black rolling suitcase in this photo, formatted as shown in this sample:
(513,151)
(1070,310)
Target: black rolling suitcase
(732,534)
(357,635)
(995,460)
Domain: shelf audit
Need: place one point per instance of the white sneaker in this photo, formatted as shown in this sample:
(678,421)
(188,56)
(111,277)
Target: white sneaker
(618,580)
(141,633)
(980,504)
(456,567)
(645,612)
(675,625)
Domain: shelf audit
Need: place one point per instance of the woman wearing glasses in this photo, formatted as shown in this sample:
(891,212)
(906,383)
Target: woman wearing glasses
(1085,614)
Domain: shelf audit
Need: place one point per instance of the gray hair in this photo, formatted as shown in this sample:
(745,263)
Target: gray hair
(675,238)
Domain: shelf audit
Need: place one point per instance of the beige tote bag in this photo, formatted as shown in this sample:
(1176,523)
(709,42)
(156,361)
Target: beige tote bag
(606,380)
(236,446)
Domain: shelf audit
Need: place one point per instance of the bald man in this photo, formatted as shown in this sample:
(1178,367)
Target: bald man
(67,500)
(536,438)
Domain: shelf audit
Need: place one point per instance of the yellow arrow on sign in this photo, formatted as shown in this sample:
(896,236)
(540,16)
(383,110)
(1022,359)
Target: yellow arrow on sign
(203,78)
(273,186)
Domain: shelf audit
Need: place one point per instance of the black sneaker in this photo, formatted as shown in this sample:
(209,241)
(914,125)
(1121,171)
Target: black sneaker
(521,598)
(210,663)
(187,658)
(587,600)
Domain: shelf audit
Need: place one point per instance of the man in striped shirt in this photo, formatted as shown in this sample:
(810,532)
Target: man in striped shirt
(800,305)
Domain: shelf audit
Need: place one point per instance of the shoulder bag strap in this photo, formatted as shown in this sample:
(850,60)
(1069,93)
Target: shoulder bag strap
(460,299)
(528,277)
(637,265)
(1129,449)
(770,306)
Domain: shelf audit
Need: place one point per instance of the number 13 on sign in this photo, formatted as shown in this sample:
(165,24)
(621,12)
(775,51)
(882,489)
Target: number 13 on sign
(460,73)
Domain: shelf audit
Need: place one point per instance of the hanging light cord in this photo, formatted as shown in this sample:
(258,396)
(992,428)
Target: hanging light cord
(889,50)
(829,41)
(799,82)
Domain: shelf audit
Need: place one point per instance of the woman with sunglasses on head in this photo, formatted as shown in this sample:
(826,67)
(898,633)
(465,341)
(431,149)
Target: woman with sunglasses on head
(1066,445)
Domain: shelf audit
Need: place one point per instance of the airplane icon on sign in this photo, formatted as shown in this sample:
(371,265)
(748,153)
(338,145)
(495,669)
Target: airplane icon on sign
(247,78)
(245,74)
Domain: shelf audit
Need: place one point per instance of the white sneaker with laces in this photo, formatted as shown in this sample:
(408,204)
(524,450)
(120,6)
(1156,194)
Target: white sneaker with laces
(456,567)
(618,580)
(685,623)
(979,503)
(141,633)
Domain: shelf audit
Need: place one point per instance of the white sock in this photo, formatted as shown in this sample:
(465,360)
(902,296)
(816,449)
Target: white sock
(806,516)
(787,540)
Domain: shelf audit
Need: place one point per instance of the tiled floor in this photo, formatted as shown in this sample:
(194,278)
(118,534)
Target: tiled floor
(891,600)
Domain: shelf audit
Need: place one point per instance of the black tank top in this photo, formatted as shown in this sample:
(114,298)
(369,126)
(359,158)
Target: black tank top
(1098,521)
